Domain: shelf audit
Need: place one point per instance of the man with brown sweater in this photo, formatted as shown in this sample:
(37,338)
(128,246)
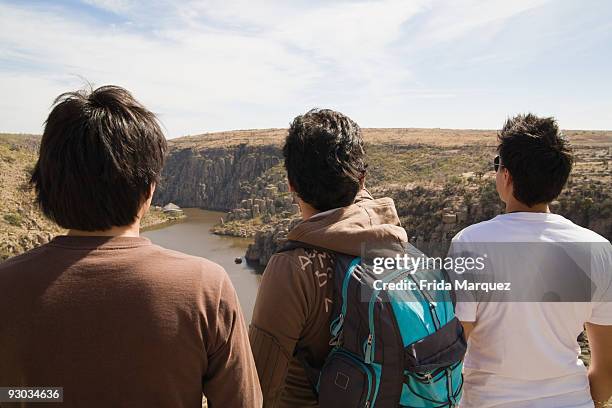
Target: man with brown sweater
(325,163)
(102,312)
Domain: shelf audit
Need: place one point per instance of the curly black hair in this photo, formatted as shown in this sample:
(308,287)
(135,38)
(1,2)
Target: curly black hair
(325,158)
(538,157)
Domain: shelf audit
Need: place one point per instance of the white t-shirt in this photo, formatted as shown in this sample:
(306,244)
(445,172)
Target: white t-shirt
(525,354)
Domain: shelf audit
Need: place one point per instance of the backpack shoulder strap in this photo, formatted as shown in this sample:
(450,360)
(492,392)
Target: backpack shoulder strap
(312,372)
(415,252)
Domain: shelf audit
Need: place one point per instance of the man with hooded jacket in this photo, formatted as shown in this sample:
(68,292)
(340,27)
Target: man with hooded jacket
(325,163)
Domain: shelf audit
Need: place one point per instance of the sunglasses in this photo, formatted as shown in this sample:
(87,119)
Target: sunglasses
(497,163)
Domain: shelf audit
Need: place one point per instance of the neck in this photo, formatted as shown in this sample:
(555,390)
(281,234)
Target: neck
(126,231)
(516,206)
(307,210)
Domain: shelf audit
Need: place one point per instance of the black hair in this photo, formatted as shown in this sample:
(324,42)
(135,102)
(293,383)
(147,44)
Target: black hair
(538,157)
(325,158)
(100,153)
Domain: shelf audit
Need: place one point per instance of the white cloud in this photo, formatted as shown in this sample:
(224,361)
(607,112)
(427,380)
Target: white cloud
(189,63)
(233,64)
(457,18)
(171,71)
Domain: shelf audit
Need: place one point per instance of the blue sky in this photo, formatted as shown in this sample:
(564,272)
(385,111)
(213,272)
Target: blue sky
(220,64)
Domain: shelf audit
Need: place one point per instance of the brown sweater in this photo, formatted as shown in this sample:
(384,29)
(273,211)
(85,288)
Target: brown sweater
(294,302)
(120,322)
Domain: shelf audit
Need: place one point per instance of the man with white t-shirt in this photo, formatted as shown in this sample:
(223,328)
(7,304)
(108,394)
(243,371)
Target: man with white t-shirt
(525,353)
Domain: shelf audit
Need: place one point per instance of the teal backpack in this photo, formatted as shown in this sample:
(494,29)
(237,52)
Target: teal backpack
(391,348)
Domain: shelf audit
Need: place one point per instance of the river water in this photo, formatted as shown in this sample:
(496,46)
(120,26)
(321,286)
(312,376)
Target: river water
(192,236)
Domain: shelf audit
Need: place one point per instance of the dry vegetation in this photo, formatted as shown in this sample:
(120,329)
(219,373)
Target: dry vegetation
(387,136)
(429,171)
(456,162)
(22,224)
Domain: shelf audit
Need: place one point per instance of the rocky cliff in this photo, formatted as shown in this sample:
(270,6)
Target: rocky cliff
(441,188)
(441,180)
(214,178)
(432,215)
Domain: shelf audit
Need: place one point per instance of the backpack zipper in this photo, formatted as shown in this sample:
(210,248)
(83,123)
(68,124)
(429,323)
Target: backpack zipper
(336,325)
(368,351)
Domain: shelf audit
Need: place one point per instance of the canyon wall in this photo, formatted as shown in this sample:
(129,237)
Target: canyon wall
(432,215)
(215,178)
(441,181)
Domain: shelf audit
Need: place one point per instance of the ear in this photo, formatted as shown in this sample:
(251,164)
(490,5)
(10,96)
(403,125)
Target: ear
(152,190)
(362,183)
(507,178)
(291,189)
(147,202)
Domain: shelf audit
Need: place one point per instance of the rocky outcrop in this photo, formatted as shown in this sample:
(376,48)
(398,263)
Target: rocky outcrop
(213,178)
(269,240)
(156,217)
(433,214)
(14,244)
(438,189)
(270,197)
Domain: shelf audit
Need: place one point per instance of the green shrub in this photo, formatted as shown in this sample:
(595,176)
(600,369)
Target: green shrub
(13,219)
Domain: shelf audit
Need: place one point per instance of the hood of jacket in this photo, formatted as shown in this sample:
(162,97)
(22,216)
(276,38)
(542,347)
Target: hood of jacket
(368,221)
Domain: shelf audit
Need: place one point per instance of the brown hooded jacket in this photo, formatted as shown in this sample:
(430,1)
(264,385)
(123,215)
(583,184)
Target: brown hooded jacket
(294,302)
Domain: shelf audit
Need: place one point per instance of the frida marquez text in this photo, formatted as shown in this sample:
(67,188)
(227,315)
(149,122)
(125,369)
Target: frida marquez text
(434,285)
